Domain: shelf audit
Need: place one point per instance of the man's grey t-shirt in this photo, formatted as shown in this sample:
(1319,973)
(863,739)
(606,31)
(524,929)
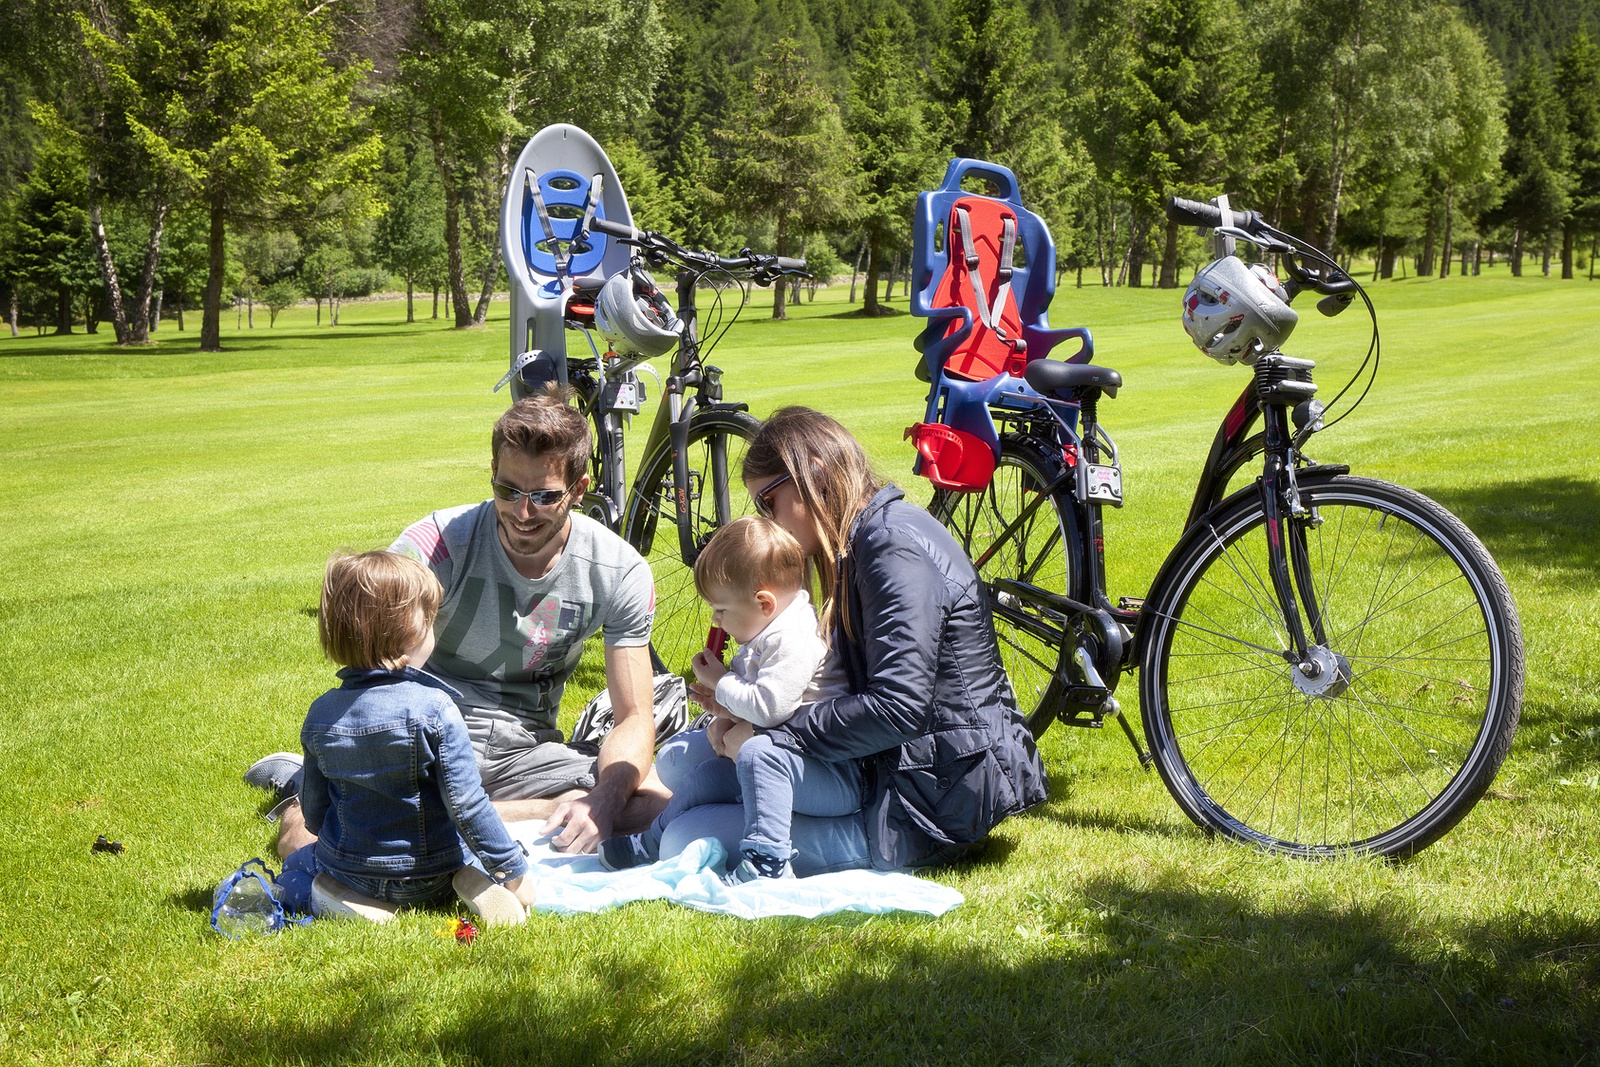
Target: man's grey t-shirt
(508,642)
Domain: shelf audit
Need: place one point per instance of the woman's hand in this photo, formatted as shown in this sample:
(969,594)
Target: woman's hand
(735,736)
(716,730)
(706,697)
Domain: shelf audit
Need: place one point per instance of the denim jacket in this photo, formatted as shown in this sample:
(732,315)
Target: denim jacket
(391,787)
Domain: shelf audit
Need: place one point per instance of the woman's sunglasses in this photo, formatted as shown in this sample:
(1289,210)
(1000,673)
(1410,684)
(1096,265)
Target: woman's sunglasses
(763,496)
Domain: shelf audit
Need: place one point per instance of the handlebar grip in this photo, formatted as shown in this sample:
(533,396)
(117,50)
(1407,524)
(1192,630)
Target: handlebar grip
(613,229)
(1193,213)
(785,263)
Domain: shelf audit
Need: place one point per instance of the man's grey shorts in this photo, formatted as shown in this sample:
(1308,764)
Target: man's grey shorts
(520,764)
(517,763)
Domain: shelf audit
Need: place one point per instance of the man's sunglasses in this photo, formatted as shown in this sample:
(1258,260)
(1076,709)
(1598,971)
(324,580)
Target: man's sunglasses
(538,498)
(763,497)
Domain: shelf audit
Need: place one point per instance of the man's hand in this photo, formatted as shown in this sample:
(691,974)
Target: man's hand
(582,826)
(708,669)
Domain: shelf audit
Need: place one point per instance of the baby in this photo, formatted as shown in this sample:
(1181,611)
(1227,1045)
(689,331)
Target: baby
(752,574)
(391,788)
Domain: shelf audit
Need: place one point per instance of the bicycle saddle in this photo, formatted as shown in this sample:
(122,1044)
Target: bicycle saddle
(1050,376)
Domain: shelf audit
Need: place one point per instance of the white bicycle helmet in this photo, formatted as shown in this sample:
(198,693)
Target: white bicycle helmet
(633,315)
(1235,312)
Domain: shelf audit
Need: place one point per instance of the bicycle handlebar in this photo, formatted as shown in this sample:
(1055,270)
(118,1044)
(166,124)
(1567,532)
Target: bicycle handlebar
(666,247)
(1194,213)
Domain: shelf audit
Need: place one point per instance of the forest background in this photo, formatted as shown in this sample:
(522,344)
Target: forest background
(236,156)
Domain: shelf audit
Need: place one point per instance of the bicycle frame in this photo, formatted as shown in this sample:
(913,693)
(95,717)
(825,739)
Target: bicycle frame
(1099,640)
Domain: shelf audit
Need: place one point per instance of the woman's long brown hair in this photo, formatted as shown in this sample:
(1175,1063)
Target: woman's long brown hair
(835,482)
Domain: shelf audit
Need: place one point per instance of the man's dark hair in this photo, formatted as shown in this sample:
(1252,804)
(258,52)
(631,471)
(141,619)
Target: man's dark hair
(544,424)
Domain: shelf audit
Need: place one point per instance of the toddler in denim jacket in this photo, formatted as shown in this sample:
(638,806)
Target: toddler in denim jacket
(391,788)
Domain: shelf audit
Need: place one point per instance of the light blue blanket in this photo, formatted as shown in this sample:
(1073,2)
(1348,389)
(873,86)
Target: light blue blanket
(568,884)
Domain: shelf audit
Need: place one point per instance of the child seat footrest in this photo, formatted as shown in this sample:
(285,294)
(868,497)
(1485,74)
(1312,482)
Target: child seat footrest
(950,458)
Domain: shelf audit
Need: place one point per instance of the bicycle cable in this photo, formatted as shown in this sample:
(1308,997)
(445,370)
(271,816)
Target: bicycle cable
(1374,354)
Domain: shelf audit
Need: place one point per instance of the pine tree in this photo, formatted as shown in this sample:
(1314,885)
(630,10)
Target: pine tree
(892,139)
(1537,162)
(790,160)
(1578,87)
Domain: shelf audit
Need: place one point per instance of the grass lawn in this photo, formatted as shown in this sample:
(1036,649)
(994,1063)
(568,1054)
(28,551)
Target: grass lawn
(168,516)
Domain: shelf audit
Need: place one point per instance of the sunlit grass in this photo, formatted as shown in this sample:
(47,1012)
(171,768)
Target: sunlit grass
(168,516)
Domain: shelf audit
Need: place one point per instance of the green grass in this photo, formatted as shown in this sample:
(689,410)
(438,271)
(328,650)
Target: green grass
(168,516)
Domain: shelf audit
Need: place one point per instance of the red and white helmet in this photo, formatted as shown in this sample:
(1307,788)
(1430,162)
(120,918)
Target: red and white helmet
(1236,312)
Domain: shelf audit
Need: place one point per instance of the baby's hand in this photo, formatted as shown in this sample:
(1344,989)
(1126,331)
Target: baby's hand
(707,668)
(523,887)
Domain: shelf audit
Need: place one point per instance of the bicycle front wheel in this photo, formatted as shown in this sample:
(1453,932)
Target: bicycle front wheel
(1418,685)
(716,447)
(1036,550)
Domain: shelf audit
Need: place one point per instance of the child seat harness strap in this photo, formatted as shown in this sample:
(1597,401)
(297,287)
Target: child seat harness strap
(990,313)
(563,255)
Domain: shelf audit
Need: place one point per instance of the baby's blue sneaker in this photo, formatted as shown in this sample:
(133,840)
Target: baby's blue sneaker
(754,865)
(624,851)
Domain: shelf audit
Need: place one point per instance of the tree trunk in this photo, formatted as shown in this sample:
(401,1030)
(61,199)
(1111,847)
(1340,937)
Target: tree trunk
(1549,251)
(780,292)
(894,272)
(869,295)
(1445,256)
(180,312)
(1516,253)
(91,322)
(1477,257)
(15,311)
(63,310)
(435,301)
(155,312)
(1425,261)
(1594,249)
(1137,250)
(211,312)
(318,299)
(1169,258)
(1569,236)
(856,270)
(456,268)
(108,266)
(410,316)
(250,306)
(140,323)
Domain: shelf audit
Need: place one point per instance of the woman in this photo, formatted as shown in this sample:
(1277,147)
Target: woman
(928,713)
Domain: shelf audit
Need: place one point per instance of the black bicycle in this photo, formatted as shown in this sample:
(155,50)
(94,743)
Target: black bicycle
(680,493)
(1327,663)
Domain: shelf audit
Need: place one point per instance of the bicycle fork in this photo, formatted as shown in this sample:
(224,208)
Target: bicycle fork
(1317,670)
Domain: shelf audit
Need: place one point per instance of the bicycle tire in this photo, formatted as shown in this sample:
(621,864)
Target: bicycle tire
(1038,552)
(1395,753)
(716,446)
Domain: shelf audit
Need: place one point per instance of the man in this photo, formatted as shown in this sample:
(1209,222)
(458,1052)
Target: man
(526,582)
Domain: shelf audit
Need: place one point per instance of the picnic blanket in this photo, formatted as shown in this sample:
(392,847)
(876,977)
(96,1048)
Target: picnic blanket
(568,884)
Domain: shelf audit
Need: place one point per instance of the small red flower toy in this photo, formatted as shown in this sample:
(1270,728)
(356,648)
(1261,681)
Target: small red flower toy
(465,930)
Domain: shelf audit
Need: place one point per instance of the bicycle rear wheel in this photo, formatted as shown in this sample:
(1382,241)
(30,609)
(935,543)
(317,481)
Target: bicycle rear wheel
(1038,551)
(1404,728)
(716,446)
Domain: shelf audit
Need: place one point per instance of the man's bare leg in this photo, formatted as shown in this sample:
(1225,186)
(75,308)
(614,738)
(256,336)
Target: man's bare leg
(292,832)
